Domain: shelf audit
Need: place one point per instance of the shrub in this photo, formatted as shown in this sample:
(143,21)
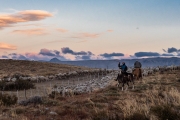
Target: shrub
(20,110)
(137,116)
(17,85)
(101,115)
(164,112)
(35,100)
(8,100)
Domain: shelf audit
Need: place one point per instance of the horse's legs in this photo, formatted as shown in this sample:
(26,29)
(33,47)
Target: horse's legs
(122,86)
(118,84)
(132,80)
(127,85)
(133,84)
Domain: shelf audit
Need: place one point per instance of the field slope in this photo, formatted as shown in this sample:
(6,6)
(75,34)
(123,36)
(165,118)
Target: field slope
(156,97)
(34,68)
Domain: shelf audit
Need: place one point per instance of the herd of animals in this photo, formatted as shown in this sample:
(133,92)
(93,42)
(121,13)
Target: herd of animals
(59,76)
(98,78)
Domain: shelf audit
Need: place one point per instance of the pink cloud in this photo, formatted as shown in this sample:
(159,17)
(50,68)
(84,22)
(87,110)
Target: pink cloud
(62,30)
(36,56)
(31,31)
(110,30)
(7,46)
(86,35)
(90,35)
(23,16)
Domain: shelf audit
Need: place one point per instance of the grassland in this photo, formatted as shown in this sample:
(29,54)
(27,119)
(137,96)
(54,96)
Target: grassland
(34,68)
(156,97)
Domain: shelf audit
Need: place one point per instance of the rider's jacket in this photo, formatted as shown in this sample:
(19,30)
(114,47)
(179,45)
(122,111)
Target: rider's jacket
(123,68)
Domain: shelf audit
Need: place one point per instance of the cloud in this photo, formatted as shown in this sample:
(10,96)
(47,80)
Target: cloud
(47,52)
(86,35)
(84,57)
(4,56)
(31,31)
(51,54)
(167,54)
(17,56)
(11,54)
(7,46)
(62,30)
(109,55)
(44,54)
(36,56)
(172,49)
(7,20)
(146,54)
(90,35)
(110,30)
(67,50)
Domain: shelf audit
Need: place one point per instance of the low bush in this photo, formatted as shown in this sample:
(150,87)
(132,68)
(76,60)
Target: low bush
(101,115)
(8,100)
(35,100)
(165,112)
(17,85)
(137,116)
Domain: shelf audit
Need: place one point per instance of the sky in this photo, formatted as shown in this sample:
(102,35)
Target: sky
(89,29)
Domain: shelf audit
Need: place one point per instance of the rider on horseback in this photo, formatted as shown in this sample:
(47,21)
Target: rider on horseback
(137,68)
(137,64)
(123,68)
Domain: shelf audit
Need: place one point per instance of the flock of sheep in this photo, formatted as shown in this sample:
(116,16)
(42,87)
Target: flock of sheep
(94,84)
(102,80)
(59,76)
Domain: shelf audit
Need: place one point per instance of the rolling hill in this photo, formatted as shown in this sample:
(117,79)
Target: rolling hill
(112,64)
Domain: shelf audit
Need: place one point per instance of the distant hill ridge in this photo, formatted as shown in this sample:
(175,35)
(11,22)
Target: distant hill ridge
(112,64)
(55,60)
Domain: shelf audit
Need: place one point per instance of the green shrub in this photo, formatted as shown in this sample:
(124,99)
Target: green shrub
(165,112)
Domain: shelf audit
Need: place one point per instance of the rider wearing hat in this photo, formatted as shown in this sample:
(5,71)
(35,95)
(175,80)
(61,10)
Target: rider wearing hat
(123,68)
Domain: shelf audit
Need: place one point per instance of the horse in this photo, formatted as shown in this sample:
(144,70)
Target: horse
(125,79)
(137,73)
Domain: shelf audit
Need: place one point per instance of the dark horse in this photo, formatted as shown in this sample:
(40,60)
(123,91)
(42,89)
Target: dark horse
(125,79)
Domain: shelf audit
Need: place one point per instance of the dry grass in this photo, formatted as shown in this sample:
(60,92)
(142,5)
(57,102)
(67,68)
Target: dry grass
(34,68)
(156,97)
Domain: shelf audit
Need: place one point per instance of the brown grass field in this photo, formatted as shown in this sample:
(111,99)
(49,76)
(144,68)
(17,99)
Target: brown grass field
(155,97)
(34,68)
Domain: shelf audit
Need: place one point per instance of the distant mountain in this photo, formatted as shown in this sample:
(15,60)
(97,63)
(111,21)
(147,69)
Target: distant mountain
(54,60)
(42,61)
(113,64)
